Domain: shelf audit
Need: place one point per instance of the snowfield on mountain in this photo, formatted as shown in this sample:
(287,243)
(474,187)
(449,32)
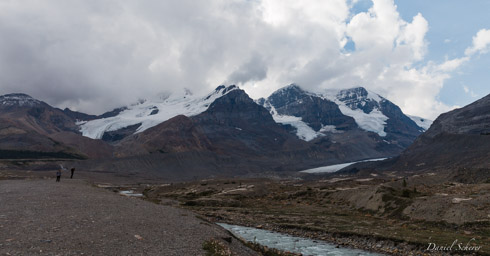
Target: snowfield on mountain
(148,113)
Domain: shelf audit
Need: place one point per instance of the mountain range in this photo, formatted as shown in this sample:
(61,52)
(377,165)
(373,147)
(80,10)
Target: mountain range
(224,132)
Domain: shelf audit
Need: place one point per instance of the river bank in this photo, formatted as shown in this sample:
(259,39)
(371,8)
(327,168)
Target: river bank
(322,210)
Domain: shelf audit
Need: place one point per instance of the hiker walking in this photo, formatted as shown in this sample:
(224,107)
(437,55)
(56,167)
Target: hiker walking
(58,175)
(72,172)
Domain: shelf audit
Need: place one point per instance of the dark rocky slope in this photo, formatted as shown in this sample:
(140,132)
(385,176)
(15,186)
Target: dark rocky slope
(457,139)
(456,146)
(30,128)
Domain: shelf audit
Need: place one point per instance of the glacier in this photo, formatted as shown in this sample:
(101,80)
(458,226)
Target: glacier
(337,167)
(150,113)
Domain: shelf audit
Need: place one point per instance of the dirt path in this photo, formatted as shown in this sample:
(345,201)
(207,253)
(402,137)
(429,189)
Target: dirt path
(41,217)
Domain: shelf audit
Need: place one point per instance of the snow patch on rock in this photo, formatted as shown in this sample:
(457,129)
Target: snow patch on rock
(421,122)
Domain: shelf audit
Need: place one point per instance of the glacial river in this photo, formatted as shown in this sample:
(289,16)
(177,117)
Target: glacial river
(291,243)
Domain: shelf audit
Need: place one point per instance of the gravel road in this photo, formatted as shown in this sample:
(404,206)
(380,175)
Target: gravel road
(42,217)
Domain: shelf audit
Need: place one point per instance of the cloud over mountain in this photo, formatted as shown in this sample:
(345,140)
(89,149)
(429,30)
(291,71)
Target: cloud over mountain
(97,55)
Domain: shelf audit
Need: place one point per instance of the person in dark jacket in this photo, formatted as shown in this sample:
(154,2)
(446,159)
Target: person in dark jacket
(72,172)
(58,175)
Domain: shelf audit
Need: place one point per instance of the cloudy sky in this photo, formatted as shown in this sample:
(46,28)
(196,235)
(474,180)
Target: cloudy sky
(94,55)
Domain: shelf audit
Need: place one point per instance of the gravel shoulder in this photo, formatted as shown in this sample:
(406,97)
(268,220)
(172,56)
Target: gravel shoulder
(42,217)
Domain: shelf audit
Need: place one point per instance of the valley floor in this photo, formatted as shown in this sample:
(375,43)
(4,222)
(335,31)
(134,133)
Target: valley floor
(380,213)
(371,214)
(42,217)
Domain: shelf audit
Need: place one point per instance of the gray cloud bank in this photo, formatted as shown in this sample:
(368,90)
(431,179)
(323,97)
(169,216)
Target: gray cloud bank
(93,55)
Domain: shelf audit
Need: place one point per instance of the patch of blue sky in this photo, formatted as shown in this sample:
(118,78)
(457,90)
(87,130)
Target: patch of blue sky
(350,46)
(359,6)
(452,25)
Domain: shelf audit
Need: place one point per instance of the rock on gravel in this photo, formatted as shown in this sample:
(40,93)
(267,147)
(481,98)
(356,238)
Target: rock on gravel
(41,217)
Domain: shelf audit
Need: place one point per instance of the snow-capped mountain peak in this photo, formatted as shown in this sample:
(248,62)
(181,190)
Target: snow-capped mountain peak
(359,98)
(18,99)
(290,92)
(309,113)
(362,105)
(149,113)
(291,87)
(336,111)
(358,93)
(220,91)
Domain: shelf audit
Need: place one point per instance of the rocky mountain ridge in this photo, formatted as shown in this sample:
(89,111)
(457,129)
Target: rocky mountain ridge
(340,111)
(30,128)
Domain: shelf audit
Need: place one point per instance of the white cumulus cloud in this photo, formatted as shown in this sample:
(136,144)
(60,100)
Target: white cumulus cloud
(481,41)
